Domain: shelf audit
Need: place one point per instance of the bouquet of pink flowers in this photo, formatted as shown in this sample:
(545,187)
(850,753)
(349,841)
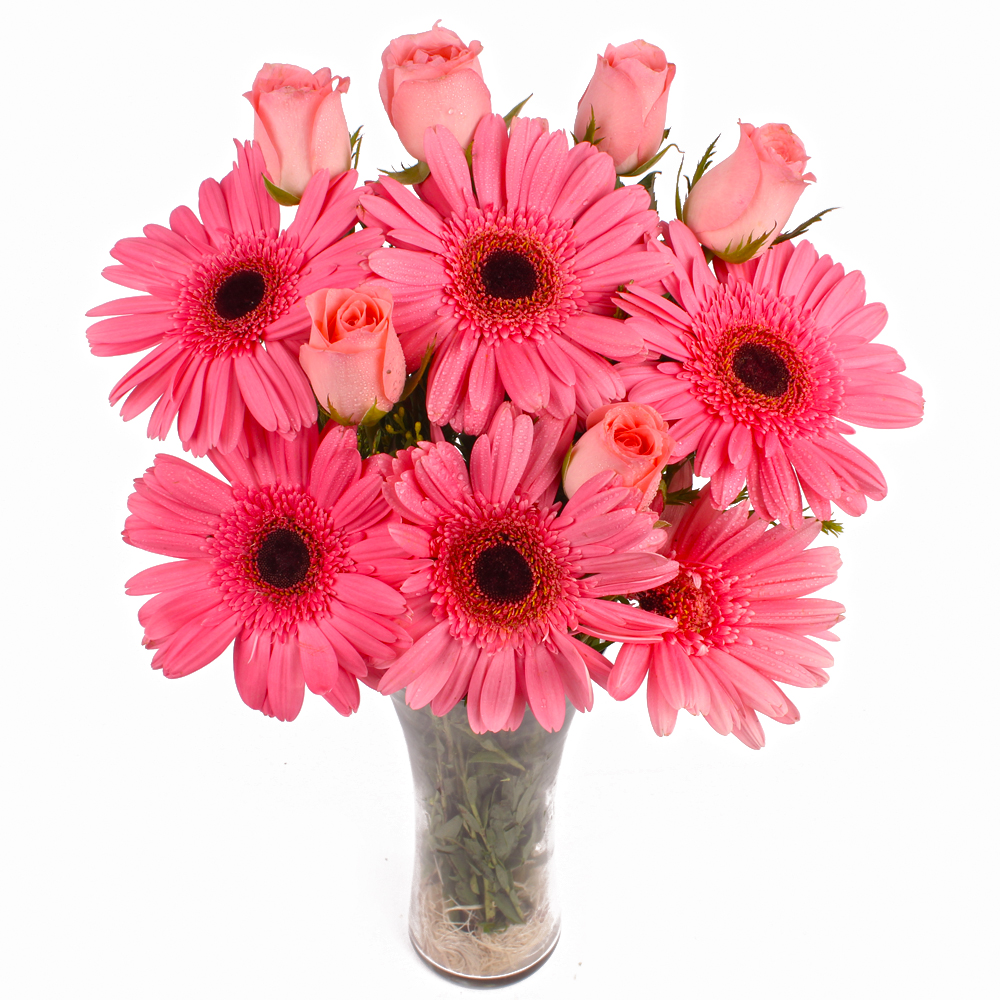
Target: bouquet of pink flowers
(482,417)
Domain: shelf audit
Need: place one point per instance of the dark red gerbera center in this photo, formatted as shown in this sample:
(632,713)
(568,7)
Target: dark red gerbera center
(500,574)
(761,369)
(503,575)
(507,274)
(240,294)
(511,277)
(228,300)
(278,555)
(760,360)
(707,603)
(283,558)
(692,606)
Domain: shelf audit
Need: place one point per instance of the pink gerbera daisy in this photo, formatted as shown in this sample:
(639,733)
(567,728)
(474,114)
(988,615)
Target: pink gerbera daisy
(224,312)
(503,577)
(767,361)
(291,561)
(735,621)
(509,271)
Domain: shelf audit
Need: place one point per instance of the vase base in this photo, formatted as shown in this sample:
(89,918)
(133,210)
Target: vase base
(486,982)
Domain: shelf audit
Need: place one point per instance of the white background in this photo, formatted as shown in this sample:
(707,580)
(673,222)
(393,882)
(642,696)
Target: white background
(162,840)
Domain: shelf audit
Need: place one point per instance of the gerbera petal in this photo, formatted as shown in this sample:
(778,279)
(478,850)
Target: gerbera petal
(446,158)
(317,658)
(489,150)
(631,667)
(285,681)
(251,655)
(544,688)
(496,698)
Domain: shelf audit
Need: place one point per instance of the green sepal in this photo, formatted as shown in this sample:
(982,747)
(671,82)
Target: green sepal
(740,497)
(677,497)
(653,160)
(412,381)
(804,227)
(356,147)
(744,250)
(516,110)
(591,134)
(590,640)
(647,183)
(285,198)
(699,171)
(704,163)
(831,527)
(565,463)
(370,419)
(413,174)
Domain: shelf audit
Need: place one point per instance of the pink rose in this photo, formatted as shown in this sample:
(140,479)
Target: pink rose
(299,124)
(628,95)
(749,194)
(353,359)
(432,79)
(631,439)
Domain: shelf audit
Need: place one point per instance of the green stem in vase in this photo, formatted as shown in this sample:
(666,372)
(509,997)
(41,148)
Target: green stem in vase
(485,819)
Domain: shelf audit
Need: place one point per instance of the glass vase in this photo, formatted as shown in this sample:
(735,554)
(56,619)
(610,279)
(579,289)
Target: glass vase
(483,907)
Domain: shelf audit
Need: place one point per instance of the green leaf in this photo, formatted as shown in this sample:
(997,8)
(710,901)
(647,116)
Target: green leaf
(413,174)
(832,528)
(449,830)
(507,907)
(472,822)
(678,207)
(503,878)
(465,895)
(281,197)
(804,227)
(486,757)
(516,110)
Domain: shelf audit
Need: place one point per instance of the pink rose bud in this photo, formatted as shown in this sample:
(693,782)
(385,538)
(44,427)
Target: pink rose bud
(353,358)
(750,194)
(631,439)
(628,97)
(432,78)
(299,124)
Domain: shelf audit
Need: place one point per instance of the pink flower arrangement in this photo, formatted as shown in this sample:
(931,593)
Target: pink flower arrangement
(482,418)
(535,364)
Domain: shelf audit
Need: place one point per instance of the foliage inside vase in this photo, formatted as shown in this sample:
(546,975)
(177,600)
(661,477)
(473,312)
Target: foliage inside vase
(484,814)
